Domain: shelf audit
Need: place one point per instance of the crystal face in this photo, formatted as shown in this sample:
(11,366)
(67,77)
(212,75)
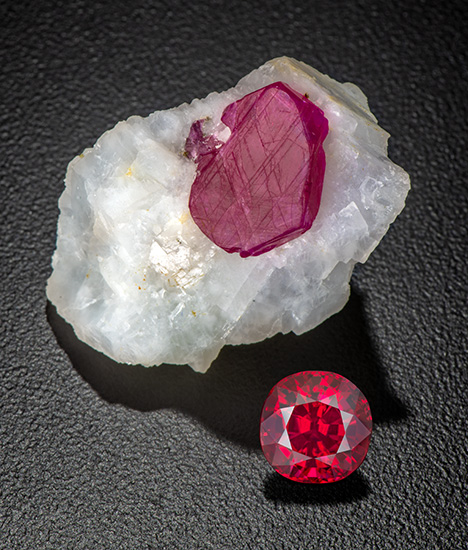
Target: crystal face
(262,187)
(315,427)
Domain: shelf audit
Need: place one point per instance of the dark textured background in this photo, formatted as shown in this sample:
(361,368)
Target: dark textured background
(96,455)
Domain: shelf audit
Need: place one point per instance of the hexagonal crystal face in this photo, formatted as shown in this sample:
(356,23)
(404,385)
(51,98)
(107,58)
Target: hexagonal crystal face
(262,187)
(315,427)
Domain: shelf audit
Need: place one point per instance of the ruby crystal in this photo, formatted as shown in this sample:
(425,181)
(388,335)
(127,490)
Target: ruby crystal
(315,427)
(262,187)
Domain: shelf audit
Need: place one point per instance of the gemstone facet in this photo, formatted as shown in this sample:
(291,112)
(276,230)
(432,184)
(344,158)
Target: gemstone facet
(262,187)
(315,427)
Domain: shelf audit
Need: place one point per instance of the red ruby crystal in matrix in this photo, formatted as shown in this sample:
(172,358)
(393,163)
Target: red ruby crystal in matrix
(262,187)
(315,427)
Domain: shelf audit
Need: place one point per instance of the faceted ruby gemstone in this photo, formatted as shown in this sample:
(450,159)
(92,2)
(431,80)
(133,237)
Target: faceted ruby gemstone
(262,187)
(315,427)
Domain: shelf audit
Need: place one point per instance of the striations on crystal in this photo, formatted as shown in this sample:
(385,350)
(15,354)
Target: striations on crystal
(262,187)
(315,427)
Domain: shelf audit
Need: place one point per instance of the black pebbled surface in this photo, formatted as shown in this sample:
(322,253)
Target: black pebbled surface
(100,456)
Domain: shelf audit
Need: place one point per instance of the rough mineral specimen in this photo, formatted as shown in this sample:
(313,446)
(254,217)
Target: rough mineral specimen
(139,281)
(262,187)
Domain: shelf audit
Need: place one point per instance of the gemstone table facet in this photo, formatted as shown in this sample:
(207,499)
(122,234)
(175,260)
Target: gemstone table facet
(315,427)
(262,187)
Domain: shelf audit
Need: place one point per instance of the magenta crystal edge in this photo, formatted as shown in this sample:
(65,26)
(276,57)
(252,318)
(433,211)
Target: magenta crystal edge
(262,187)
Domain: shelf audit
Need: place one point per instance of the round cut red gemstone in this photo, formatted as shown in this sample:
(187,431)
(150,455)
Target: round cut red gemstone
(315,427)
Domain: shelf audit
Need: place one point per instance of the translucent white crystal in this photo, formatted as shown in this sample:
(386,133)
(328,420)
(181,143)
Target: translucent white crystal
(138,280)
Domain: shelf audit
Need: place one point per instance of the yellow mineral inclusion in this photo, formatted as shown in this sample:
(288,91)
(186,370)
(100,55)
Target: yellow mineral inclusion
(185,216)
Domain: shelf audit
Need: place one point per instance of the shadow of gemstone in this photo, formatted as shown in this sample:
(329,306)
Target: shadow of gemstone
(350,489)
(229,398)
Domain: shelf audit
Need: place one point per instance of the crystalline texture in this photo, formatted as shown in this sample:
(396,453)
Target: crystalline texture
(261,188)
(137,279)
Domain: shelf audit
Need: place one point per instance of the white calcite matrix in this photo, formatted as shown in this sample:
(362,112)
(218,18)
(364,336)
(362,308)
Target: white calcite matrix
(141,283)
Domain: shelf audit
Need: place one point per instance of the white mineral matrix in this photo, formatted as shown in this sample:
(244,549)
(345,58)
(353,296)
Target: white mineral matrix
(137,279)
